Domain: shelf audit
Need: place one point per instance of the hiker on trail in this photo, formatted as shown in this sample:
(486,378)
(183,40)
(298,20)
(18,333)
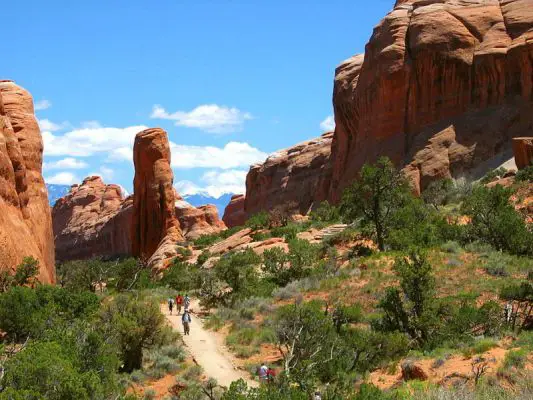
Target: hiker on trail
(179,303)
(187,301)
(271,375)
(263,373)
(170,305)
(186,321)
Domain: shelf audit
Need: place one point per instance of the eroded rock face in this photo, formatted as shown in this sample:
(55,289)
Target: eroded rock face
(294,179)
(234,214)
(196,222)
(442,88)
(25,219)
(523,152)
(92,220)
(155,226)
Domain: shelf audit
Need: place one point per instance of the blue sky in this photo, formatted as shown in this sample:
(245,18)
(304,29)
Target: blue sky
(230,81)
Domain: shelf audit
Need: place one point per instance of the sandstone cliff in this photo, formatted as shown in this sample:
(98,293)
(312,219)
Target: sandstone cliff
(92,220)
(195,222)
(234,214)
(294,179)
(25,220)
(523,152)
(155,226)
(442,88)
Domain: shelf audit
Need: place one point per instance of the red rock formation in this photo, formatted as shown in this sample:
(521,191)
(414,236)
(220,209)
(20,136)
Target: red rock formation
(442,88)
(195,222)
(25,220)
(523,152)
(92,220)
(234,214)
(294,179)
(154,216)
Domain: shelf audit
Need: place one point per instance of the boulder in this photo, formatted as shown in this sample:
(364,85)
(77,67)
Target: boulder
(442,88)
(523,152)
(92,220)
(25,218)
(234,214)
(155,225)
(196,222)
(290,181)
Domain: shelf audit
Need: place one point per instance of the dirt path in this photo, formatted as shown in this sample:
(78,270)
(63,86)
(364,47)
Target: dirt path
(208,350)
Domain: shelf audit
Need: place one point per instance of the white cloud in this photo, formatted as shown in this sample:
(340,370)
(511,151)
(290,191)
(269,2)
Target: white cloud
(66,163)
(215,184)
(47,125)
(63,178)
(42,105)
(232,155)
(88,141)
(105,173)
(328,124)
(208,117)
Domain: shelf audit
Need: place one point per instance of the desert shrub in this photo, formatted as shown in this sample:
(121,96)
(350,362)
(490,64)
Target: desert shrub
(26,271)
(257,221)
(261,236)
(416,224)
(44,368)
(325,212)
(136,325)
(183,252)
(207,240)
(203,257)
(346,236)
(289,231)
(492,175)
(525,175)
(438,193)
(375,197)
(29,312)
(520,297)
(515,359)
(451,247)
(180,276)
(495,220)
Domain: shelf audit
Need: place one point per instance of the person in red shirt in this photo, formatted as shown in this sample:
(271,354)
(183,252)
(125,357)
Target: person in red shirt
(179,303)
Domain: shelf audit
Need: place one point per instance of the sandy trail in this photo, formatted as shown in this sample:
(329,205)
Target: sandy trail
(208,350)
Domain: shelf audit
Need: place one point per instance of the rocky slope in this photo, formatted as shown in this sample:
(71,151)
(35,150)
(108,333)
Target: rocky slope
(93,219)
(155,225)
(25,220)
(234,214)
(294,179)
(197,221)
(442,88)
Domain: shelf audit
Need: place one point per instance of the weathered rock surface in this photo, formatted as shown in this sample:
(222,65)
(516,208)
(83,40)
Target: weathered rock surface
(294,179)
(442,88)
(92,220)
(155,226)
(195,222)
(523,152)
(234,214)
(25,219)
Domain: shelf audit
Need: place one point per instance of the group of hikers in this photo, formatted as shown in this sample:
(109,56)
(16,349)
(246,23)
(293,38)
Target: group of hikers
(185,302)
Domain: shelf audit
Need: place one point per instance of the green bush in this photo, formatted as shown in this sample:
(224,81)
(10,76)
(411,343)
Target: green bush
(525,175)
(378,193)
(495,220)
(492,175)
(181,276)
(260,220)
(135,324)
(325,212)
(439,193)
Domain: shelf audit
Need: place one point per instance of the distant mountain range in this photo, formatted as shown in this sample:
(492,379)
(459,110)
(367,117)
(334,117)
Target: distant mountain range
(55,192)
(201,200)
